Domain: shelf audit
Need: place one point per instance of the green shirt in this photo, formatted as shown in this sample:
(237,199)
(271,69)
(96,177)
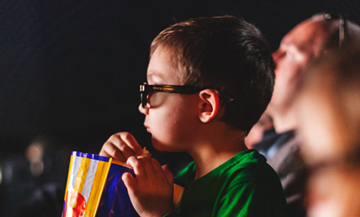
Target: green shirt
(245,185)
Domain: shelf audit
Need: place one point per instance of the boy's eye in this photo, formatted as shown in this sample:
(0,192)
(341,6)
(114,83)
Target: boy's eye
(155,99)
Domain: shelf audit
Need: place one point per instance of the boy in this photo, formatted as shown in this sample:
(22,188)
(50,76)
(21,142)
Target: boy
(209,80)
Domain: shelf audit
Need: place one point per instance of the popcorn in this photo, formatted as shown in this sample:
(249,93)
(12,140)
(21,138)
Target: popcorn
(145,153)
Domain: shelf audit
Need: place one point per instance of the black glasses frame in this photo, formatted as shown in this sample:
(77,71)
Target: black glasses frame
(182,89)
(342,29)
(342,26)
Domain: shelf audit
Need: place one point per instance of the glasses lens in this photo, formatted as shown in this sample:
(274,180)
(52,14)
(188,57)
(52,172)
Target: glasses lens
(155,99)
(152,99)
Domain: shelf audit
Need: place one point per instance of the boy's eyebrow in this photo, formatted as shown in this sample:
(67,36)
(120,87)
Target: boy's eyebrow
(158,76)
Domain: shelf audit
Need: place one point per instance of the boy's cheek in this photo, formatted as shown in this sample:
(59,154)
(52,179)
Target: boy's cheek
(160,143)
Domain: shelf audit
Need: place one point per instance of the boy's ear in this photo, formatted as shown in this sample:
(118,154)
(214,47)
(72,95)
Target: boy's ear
(209,105)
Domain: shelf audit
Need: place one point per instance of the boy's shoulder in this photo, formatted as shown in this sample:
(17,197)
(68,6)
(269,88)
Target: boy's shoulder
(248,166)
(245,166)
(246,180)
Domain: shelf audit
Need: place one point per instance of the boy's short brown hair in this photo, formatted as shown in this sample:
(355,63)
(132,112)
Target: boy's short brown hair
(225,53)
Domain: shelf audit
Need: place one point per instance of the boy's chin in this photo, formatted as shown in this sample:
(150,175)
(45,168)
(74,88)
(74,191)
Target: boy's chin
(161,146)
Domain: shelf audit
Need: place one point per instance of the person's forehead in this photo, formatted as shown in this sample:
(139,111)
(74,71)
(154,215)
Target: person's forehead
(153,74)
(161,69)
(306,36)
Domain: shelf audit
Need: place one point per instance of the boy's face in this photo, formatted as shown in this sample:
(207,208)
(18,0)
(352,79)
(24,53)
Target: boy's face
(174,120)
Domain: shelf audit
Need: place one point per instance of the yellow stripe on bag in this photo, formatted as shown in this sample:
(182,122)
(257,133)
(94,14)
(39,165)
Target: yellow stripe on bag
(102,171)
(81,175)
(69,174)
(120,163)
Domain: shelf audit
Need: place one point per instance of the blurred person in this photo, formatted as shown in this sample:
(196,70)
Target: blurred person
(259,130)
(306,42)
(33,180)
(328,116)
(46,200)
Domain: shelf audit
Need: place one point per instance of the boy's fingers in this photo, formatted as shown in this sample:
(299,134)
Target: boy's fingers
(126,150)
(131,143)
(128,180)
(124,142)
(121,146)
(137,165)
(168,174)
(147,165)
(110,150)
(156,165)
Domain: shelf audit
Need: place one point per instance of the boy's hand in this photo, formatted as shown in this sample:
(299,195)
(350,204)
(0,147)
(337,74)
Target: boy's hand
(151,191)
(121,146)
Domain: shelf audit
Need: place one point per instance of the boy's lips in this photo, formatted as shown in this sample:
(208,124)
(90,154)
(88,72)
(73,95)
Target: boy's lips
(147,128)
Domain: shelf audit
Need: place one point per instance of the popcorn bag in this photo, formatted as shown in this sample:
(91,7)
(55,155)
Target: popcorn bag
(94,188)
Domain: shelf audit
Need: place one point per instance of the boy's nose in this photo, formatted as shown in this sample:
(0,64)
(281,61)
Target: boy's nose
(143,110)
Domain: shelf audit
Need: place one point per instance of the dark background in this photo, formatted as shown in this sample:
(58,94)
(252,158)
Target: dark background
(70,70)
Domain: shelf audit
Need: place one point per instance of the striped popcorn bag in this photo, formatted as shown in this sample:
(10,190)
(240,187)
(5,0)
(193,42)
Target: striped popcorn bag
(95,189)
(86,179)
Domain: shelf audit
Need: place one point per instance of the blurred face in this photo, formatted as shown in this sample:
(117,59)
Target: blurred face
(257,131)
(332,192)
(323,132)
(296,50)
(173,119)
